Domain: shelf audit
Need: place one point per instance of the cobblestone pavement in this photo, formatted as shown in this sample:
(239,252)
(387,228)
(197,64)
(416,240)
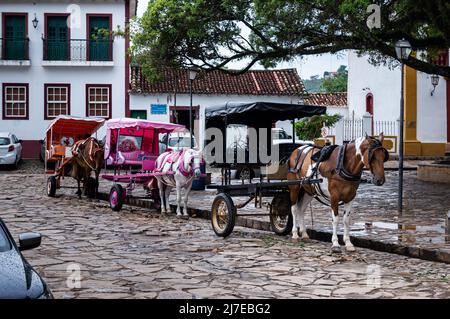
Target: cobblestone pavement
(137,254)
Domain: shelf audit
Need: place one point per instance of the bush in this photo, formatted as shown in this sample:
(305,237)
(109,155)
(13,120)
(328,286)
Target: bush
(310,128)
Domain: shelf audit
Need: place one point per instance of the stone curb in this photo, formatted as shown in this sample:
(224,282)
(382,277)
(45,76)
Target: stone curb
(316,234)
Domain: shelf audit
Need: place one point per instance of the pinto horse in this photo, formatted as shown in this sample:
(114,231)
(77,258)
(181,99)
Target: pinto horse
(87,157)
(341,174)
(177,169)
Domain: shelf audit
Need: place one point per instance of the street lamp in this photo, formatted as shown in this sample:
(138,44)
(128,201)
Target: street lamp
(403,50)
(35,21)
(434,82)
(192,75)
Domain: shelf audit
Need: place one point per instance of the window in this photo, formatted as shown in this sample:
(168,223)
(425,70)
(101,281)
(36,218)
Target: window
(57,100)
(15,101)
(98,100)
(4,241)
(99,37)
(14,34)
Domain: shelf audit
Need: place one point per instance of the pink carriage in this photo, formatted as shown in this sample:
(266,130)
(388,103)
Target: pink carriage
(132,147)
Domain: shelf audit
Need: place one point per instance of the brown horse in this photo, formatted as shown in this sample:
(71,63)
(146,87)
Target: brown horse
(341,174)
(87,157)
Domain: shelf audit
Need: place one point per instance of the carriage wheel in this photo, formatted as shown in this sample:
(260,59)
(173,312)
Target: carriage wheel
(223,215)
(116,197)
(91,187)
(280,214)
(51,186)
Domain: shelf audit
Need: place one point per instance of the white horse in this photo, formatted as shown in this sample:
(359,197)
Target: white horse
(177,169)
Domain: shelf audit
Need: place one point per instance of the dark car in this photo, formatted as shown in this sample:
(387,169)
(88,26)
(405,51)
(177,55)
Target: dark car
(18,280)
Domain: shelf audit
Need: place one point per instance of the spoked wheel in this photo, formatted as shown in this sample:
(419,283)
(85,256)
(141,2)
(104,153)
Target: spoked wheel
(51,186)
(223,215)
(280,214)
(116,197)
(91,187)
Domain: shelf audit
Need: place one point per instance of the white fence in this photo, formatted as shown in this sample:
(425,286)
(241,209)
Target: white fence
(347,130)
(389,128)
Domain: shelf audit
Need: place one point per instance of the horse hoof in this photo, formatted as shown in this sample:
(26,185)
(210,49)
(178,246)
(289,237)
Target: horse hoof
(305,237)
(295,240)
(350,249)
(336,250)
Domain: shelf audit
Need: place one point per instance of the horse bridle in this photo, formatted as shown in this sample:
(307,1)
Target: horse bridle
(377,145)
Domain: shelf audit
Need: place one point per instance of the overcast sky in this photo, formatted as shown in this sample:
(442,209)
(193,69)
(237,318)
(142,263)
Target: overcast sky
(307,67)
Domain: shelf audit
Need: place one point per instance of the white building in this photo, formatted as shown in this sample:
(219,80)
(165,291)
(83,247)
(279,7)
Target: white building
(376,90)
(60,57)
(169,99)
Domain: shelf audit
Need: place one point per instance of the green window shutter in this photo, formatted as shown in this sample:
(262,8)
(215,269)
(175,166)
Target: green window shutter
(15,41)
(99,39)
(57,39)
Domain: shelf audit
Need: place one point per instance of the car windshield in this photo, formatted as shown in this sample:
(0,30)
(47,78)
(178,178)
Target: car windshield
(4,141)
(4,242)
(180,142)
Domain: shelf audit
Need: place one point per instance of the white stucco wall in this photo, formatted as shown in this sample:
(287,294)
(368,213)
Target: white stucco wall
(383,83)
(431,110)
(37,75)
(385,86)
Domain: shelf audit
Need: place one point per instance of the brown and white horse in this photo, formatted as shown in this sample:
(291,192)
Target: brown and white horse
(341,174)
(87,157)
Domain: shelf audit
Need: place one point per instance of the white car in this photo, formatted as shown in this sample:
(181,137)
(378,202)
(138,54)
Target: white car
(10,149)
(177,141)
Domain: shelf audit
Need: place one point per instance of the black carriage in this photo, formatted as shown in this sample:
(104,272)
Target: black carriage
(235,154)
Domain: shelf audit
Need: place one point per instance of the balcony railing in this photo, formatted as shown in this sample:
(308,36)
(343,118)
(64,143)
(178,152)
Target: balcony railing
(78,50)
(14,49)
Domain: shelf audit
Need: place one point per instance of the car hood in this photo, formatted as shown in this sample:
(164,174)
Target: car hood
(18,280)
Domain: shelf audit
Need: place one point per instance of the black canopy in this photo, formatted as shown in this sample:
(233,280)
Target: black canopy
(258,114)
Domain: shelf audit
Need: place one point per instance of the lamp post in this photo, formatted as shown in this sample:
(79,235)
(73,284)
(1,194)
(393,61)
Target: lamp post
(403,50)
(192,75)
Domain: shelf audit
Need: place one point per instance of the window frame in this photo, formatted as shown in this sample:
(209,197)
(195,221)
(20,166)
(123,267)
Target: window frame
(109,86)
(55,85)
(27,102)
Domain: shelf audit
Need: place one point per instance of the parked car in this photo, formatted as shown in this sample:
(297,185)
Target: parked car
(286,147)
(10,149)
(279,136)
(18,279)
(176,141)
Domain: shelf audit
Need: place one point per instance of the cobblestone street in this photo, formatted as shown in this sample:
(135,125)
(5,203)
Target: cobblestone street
(137,254)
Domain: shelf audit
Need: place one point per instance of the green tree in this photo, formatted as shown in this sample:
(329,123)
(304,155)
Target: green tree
(211,34)
(310,128)
(338,82)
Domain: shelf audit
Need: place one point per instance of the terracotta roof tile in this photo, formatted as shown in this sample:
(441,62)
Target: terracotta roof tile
(257,82)
(327,99)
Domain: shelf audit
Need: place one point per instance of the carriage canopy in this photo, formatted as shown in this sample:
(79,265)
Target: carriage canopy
(73,127)
(258,114)
(134,135)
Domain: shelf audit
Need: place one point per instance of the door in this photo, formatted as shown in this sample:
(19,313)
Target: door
(139,114)
(57,38)
(18,147)
(99,39)
(15,38)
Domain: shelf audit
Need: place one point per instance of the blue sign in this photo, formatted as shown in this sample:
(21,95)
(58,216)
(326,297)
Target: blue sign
(159,109)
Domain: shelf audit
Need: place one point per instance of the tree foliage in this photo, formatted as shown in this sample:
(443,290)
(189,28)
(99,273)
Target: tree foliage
(310,128)
(337,82)
(211,34)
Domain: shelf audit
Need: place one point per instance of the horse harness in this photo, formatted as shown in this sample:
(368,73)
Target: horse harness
(76,150)
(340,169)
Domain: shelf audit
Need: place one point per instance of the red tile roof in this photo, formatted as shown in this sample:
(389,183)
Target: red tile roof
(327,99)
(257,82)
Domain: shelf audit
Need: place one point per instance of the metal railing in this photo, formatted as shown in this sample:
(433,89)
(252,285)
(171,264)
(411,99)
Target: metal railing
(353,128)
(14,49)
(79,50)
(389,128)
